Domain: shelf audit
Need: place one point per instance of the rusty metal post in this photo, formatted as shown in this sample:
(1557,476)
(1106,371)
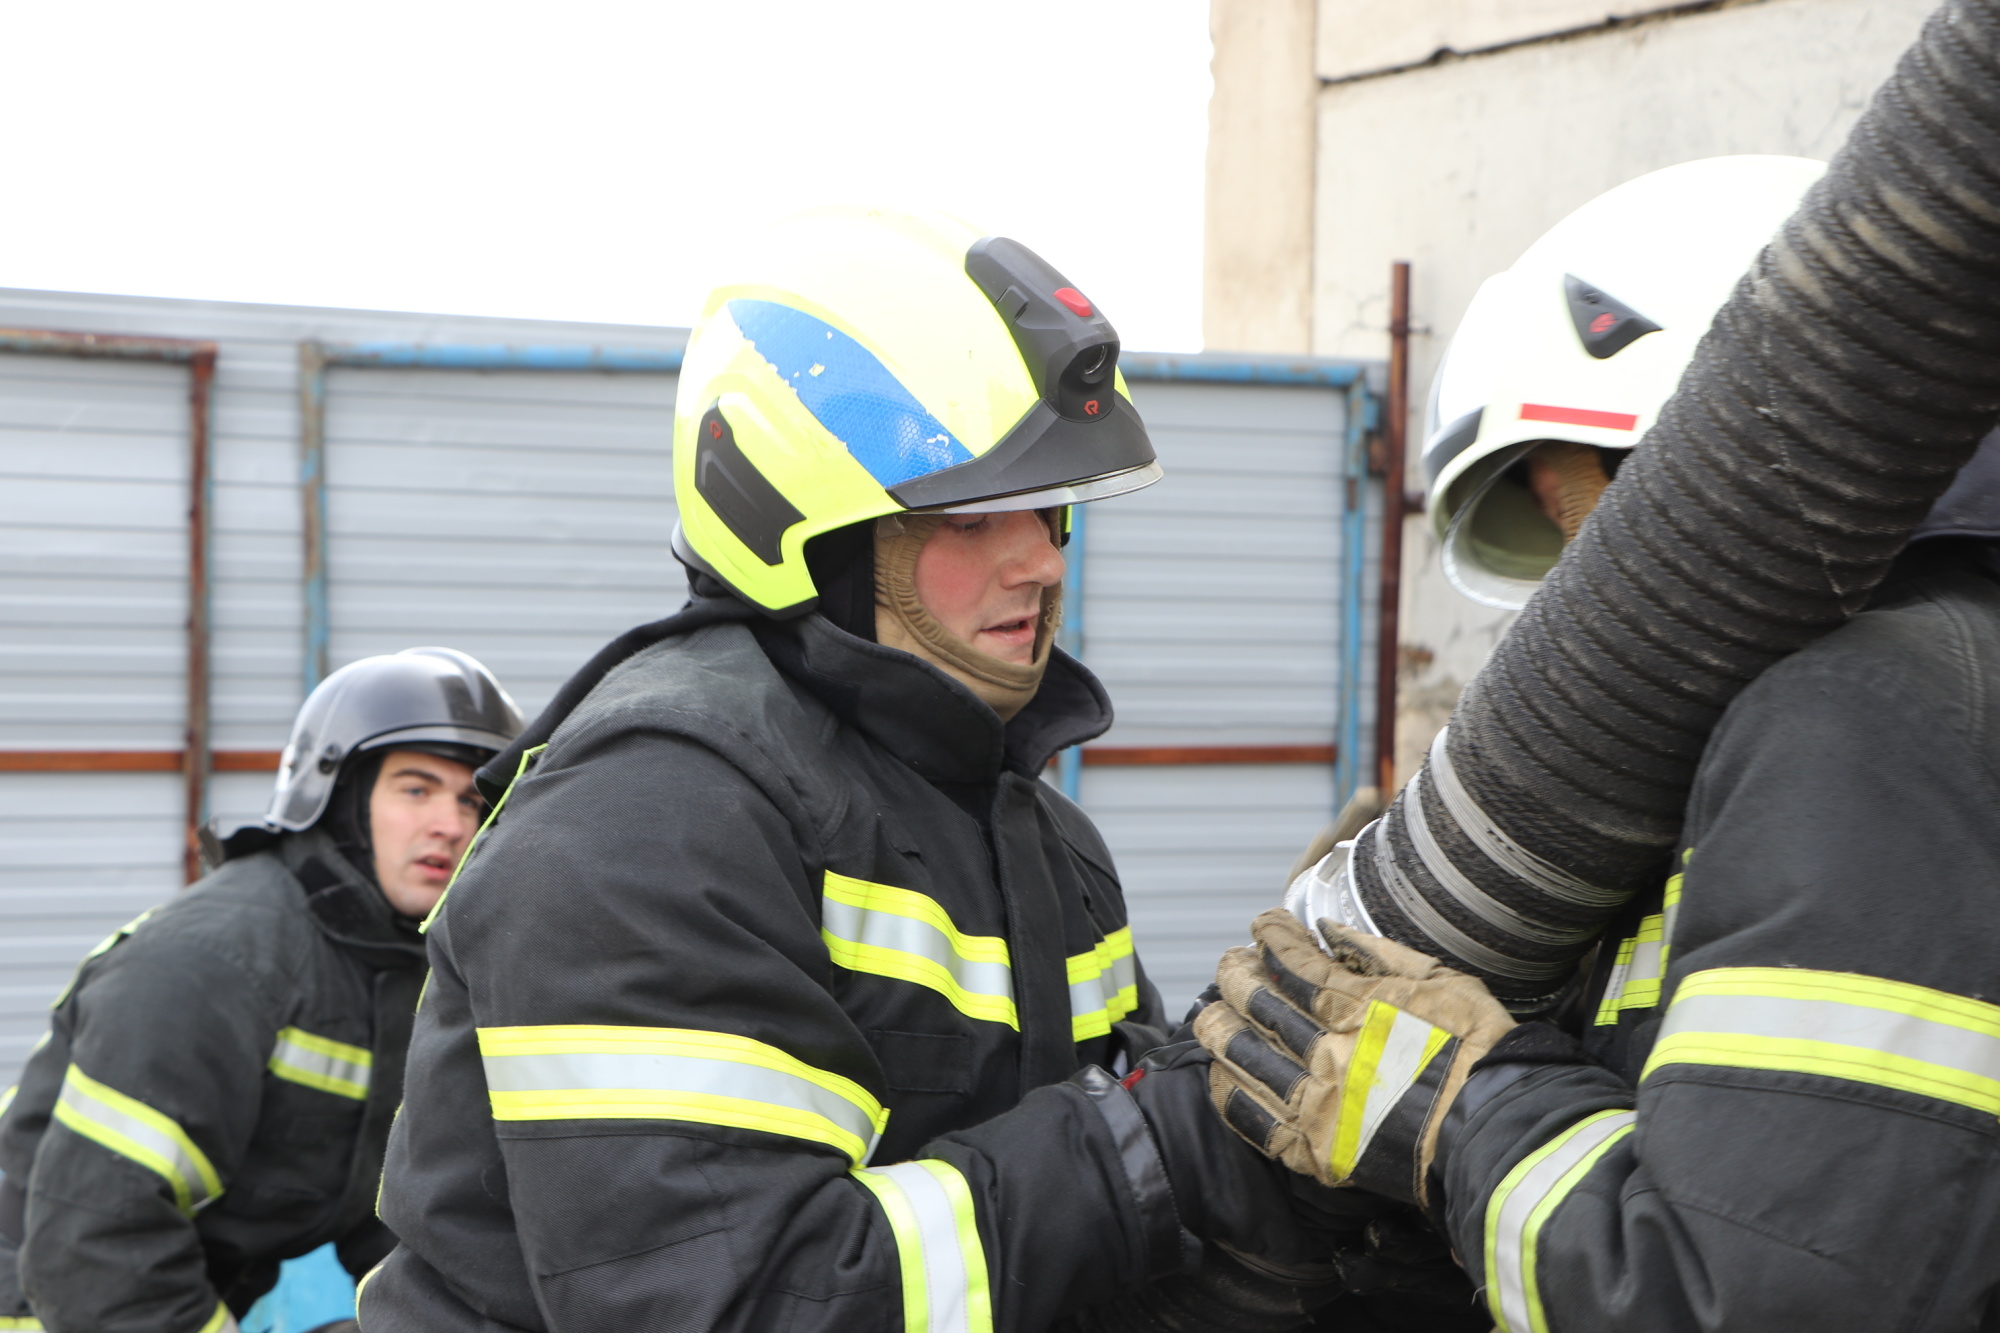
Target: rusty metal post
(199,357)
(1395,509)
(201,496)
(312,494)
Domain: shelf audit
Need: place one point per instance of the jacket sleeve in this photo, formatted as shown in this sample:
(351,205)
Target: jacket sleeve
(684,1110)
(1811,1141)
(164,1042)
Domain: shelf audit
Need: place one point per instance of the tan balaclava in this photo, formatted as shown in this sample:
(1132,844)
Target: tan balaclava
(902,622)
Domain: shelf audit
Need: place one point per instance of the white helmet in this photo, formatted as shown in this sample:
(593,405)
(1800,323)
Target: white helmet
(1575,349)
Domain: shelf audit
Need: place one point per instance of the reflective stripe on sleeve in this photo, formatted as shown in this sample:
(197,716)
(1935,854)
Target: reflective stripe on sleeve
(28,1324)
(1838,1024)
(903,935)
(943,1263)
(1103,985)
(574,1072)
(1521,1207)
(1635,975)
(137,1132)
(321,1062)
(1391,1054)
(1641,962)
(221,1321)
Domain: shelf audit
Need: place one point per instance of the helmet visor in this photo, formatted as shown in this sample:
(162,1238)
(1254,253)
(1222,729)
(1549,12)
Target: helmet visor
(1073,493)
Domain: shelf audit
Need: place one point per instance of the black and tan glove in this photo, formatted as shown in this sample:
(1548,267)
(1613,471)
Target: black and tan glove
(1342,1065)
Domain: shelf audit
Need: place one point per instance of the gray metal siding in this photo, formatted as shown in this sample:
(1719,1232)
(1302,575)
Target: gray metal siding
(543,498)
(1212,613)
(524,517)
(93,553)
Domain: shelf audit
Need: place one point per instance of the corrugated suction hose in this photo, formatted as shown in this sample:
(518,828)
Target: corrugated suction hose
(1849,376)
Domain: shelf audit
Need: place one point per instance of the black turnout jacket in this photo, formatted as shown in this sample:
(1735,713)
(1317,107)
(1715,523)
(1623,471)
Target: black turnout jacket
(1784,1109)
(771,922)
(213,1097)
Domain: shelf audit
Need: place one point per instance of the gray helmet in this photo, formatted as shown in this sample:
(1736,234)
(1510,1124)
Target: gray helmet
(420,698)
(1970,506)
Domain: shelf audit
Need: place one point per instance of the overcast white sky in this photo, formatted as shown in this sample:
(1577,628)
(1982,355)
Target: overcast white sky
(588,159)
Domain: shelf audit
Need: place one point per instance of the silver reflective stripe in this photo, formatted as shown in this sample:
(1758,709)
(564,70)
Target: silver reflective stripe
(139,1134)
(1502,850)
(320,1062)
(1522,1206)
(907,935)
(583,1072)
(1473,898)
(942,1260)
(1871,1030)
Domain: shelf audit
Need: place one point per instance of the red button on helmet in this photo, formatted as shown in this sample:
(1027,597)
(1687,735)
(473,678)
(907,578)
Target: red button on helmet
(1078,304)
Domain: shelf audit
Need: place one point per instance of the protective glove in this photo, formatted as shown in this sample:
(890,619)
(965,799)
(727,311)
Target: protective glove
(1269,1219)
(1341,1065)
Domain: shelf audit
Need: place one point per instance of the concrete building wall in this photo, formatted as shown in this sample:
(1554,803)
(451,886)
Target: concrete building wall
(1429,149)
(1257,260)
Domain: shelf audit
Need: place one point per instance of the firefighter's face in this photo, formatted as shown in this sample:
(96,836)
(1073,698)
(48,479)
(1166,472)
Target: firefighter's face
(422,813)
(982,576)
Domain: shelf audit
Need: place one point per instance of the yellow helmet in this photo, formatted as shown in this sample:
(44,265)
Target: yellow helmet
(880,364)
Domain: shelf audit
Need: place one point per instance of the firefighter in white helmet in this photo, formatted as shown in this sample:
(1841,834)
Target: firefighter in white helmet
(1562,361)
(1788,1049)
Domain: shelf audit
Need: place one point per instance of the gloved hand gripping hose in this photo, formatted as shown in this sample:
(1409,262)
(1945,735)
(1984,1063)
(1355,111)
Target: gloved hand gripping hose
(1841,387)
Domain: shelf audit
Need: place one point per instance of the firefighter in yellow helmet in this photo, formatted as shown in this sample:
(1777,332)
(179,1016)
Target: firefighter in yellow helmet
(780,992)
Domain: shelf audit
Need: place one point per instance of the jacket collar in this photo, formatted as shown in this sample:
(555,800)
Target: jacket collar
(927,719)
(345,904)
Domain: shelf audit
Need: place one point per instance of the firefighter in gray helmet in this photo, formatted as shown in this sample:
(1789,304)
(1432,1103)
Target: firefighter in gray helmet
(217,1082)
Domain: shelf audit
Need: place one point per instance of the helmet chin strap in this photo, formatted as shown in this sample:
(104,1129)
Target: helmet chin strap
(346,817)
(903,622)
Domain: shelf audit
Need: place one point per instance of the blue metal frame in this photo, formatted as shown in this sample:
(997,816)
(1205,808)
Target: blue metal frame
(315,358)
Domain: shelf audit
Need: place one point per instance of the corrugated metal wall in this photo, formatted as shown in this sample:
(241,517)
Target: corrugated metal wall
(1212,613)
(530,525)
(523,516)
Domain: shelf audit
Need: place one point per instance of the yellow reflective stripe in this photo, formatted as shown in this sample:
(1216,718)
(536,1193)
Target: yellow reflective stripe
(321,1062)
(1103,985)
(528,757)
(1392,1050)
(575,1072)
(1837,1024)
(1636,973)
(1670,909)
(1521,1207)
(939,1254)
(29,1325)
(103,947)
(905,936)
(136,1131)
(221,1321)
(7,1098)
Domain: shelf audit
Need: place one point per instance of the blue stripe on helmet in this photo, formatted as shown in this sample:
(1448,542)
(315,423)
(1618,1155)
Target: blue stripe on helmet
(852,393)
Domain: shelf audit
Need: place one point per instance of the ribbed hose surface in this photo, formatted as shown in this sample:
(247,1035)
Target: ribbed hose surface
(1849,376)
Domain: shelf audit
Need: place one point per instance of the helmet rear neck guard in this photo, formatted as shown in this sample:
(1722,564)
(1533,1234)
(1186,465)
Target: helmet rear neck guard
(887,365)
